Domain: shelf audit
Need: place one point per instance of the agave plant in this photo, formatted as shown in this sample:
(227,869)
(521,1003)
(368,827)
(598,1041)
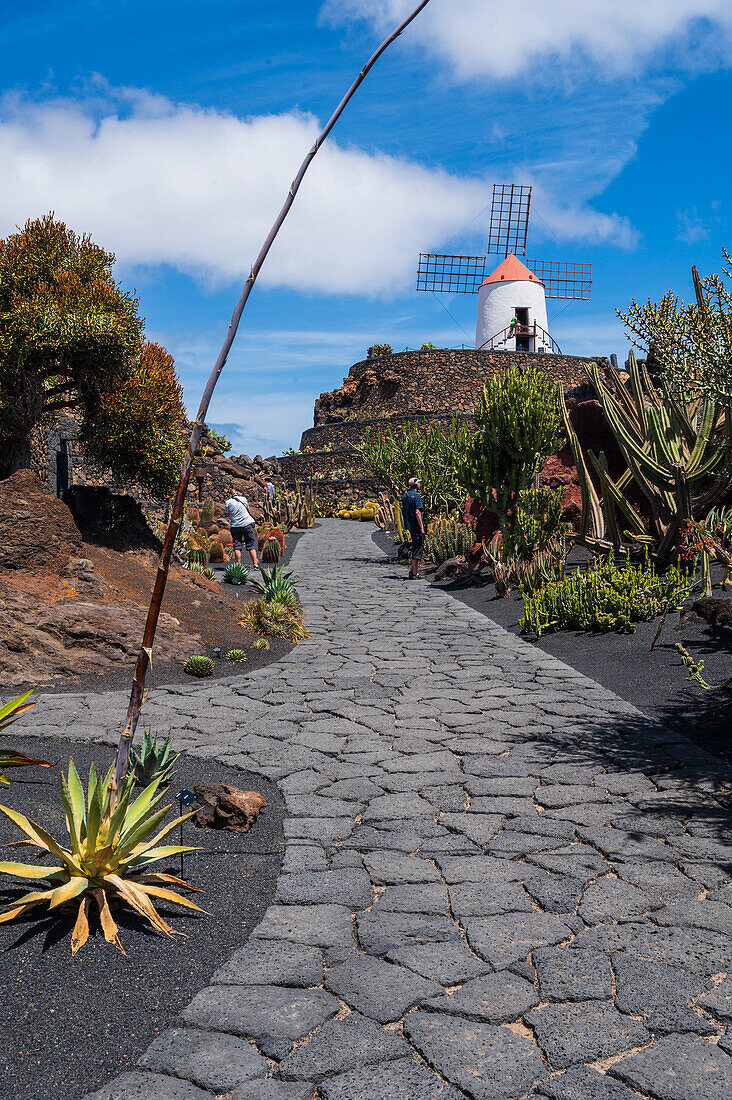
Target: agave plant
(236,573)
(277,587)
(236,655)
(11,758)
(107,857)
(155,760)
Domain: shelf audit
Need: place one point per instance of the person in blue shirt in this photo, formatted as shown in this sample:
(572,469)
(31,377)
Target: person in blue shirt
(413,513)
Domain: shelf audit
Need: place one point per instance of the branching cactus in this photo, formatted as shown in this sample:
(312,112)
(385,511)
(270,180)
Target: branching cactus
(674,453)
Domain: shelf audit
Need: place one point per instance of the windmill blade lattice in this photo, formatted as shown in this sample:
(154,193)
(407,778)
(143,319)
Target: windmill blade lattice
(450,274)
(562,279)
(509,224)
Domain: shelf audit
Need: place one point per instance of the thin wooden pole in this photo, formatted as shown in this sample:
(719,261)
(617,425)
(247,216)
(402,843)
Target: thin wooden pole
(156,599)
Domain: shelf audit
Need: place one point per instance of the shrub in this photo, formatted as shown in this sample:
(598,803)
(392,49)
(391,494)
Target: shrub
(448,538)
(518,428)
(274,619)
(538,543)
(605,597)
(137,429)
(434,453)
(223,444)
(277,587)
(378,350)
(154,761)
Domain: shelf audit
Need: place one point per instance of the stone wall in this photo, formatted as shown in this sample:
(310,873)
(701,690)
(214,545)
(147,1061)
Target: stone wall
(432,381)
(60,461)
(343,436)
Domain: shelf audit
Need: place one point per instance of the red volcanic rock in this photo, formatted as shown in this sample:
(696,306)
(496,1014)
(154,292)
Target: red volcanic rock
(37,530)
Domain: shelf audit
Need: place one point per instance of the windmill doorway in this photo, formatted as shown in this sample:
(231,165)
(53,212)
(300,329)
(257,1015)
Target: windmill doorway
(523,340)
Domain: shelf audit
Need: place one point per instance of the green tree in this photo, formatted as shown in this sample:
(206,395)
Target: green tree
(518,428)
(139,430)
(692,343)
(71,338)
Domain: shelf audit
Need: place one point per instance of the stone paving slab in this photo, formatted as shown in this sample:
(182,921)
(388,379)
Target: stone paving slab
(466,814)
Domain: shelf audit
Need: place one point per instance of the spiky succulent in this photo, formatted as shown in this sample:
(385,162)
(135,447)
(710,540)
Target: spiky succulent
(236,573)
(277,587)
(236,655)
(11,758)
(261,643)
(271,551)
(106,859)
(155,760)
(198,665)
(275,619)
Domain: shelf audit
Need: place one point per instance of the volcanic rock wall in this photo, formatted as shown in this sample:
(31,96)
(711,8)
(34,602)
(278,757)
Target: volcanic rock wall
(422,386)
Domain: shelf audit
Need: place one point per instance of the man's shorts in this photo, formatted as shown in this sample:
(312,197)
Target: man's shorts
(246,535)
(417,543)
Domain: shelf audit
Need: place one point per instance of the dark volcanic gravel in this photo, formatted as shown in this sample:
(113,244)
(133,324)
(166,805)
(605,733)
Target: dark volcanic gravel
(72,1023)
(224,632)
(654,681)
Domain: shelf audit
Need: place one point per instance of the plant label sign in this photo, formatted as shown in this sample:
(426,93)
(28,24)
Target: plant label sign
(186,797)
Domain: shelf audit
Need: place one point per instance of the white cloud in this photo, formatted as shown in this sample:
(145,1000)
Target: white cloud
(265,423)
(163,183)
(478,38)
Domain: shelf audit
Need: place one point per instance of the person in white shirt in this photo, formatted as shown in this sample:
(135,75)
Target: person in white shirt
(243,531)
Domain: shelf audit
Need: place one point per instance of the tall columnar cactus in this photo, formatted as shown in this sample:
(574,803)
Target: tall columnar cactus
(674,453)
(207,512)
(518,428)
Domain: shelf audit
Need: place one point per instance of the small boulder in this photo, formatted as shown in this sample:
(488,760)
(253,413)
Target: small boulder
(37,530)
(226,807)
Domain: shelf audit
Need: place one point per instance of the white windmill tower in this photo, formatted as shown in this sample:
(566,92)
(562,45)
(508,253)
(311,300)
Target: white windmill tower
(512,299)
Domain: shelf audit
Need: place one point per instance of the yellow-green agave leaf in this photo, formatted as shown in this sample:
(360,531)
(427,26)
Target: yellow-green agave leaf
(110,847)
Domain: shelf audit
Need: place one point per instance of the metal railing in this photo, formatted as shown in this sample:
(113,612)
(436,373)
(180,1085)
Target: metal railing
(511,332)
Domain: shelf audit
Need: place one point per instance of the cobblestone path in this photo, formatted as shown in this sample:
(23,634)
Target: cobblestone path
(501,880)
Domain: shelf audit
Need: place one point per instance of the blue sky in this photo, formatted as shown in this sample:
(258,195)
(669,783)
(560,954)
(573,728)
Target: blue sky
(171,131)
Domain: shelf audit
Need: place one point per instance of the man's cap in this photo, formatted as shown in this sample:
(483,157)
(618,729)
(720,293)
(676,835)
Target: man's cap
(414,481)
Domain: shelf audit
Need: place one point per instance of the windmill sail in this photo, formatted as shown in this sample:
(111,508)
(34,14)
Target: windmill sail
(450,274)
(562,279)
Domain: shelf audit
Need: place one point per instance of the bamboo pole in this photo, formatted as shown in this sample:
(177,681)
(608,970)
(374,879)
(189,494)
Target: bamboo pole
(145,656)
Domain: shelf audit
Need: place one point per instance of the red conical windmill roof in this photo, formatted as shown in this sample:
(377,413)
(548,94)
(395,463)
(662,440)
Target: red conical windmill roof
(512,271)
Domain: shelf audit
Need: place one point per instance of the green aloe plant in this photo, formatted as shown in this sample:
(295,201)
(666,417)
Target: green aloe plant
(155,760)
(108,856)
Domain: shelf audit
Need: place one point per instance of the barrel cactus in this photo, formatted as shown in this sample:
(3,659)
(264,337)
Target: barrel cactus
(198,666)
(225,538)
(216,552)
(271,550)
